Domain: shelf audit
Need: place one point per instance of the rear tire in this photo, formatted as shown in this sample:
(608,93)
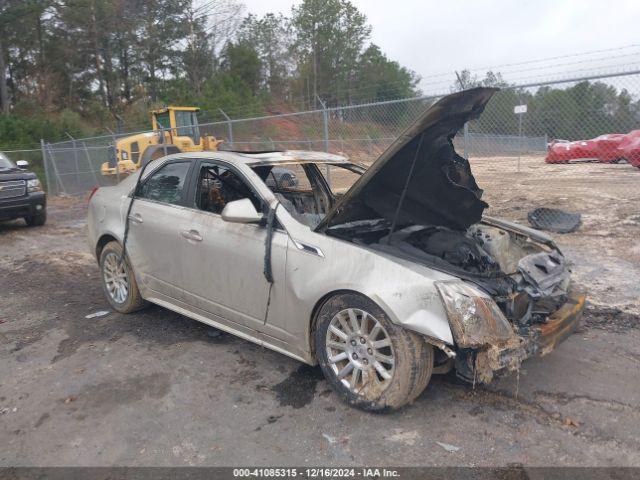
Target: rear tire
(391,365)
(118,281)
(36,220)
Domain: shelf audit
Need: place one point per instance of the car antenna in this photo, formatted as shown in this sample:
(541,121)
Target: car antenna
(404,191)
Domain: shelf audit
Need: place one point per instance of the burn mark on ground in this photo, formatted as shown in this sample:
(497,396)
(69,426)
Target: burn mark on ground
(299,388)
(105,396)
(610,319)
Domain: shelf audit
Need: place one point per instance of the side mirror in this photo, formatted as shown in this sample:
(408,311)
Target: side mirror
(241,211)
(22,164)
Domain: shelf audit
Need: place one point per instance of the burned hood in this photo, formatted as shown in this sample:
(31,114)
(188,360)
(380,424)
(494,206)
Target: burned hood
(420,179)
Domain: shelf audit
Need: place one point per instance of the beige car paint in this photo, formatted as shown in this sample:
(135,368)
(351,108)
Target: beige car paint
(234,297)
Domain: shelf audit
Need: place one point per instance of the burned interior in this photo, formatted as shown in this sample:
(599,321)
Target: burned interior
(302,188)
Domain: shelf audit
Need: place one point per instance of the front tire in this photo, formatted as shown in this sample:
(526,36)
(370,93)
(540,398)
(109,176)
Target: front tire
(36,220)
(118,281)
(370,362)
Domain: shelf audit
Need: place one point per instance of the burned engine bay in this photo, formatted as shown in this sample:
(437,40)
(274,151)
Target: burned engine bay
(527,279)
(420,201)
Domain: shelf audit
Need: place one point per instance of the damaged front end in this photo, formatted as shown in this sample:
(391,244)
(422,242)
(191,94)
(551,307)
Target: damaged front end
(419,201)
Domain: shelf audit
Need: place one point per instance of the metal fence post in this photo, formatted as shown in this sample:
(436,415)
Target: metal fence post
(115,143)
(45,163)
(55,172)
(86,151)
(229,127)
(75,156)
(520,135)
(325,133)
(325,124)
(466,140)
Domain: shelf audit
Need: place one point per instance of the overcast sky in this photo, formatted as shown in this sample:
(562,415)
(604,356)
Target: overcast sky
(432,37)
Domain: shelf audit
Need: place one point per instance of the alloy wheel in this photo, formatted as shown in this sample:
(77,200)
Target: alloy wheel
(116,277)
(359,352)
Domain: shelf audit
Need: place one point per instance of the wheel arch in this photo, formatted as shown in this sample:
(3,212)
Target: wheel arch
(316,310)
(104,239)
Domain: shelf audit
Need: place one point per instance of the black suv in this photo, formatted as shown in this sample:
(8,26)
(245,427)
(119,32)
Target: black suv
(21,193)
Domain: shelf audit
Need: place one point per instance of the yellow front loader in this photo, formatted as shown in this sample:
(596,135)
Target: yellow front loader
(175,129)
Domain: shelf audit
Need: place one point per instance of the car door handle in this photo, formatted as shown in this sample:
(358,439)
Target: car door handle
(191,235)
(135,218)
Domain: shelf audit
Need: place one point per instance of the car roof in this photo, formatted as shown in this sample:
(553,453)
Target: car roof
(268,158)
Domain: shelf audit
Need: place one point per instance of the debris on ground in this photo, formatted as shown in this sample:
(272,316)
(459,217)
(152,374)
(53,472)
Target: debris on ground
(570,422)
(99,313)
(329,438)
(448,447)
(554,220)
(69,399)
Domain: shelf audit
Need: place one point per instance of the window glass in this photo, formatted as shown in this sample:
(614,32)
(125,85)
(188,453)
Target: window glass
(218,185)
(186,123)
(166,185)
(163,120)
(339,178)
(135,152)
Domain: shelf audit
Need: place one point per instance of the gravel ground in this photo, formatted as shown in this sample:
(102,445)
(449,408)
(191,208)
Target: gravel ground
(154,388)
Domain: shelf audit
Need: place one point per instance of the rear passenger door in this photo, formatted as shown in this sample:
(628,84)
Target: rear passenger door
(224,261)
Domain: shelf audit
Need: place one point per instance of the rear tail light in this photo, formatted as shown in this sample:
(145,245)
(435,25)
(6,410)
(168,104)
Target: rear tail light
(92,193)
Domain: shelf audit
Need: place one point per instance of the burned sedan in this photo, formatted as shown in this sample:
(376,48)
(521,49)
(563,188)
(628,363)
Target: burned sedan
(384,284)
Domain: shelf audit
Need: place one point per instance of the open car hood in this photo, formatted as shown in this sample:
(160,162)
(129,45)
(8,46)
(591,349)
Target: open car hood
(441,189)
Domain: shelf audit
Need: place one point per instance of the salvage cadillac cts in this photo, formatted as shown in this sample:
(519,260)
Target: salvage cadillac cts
(396,279)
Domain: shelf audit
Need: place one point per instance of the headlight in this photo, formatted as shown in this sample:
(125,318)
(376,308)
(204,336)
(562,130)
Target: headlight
(34,185)
(473,316)
(125,155)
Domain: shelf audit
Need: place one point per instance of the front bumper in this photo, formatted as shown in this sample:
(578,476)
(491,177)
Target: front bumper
(25,206)
(540,340)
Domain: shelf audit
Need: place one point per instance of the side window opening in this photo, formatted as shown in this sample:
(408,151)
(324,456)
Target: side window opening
(218,186)
(167,184)
(294,189)
(340,178)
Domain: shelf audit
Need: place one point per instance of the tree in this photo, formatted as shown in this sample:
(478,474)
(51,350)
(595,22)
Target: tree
(270,37)
(242,62)
(379,79)
(329,37)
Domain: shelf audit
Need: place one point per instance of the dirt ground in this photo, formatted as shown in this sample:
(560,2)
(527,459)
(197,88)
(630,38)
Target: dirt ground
(154,388)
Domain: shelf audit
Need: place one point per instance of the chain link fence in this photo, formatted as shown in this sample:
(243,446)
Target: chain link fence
(513,147)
